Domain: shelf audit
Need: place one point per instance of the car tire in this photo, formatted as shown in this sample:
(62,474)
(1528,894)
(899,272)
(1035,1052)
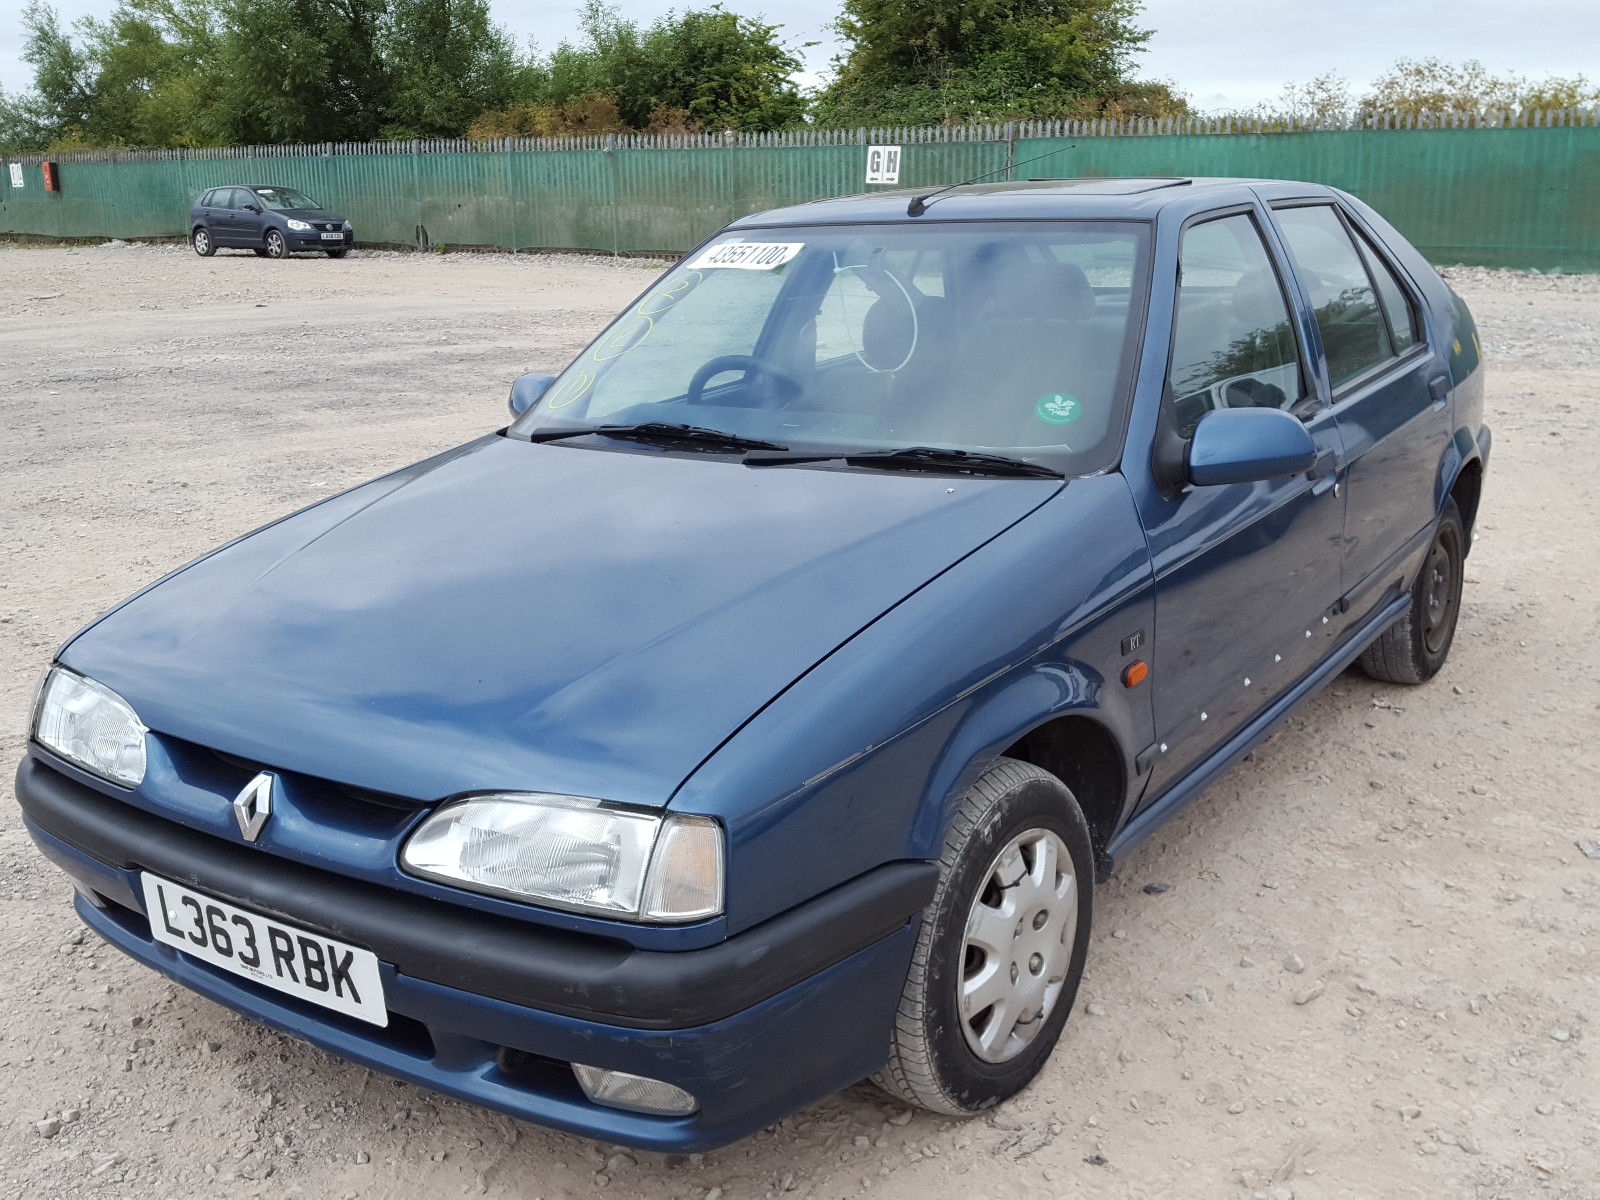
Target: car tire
(260,252)
(201,240)
(1414,648)
(340,253)
(944,1055)
(276,247)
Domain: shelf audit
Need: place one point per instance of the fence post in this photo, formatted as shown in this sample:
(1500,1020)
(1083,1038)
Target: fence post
(610,152)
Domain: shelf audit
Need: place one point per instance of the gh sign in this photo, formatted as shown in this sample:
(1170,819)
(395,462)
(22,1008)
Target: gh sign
(883,164)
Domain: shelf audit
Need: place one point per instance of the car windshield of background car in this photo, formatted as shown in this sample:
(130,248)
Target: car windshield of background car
(285,199)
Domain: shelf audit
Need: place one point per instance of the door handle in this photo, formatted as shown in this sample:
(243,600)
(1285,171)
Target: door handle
(1439,389)
(1324,473)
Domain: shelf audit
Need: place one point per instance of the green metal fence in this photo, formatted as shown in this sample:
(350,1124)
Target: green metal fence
(1509,190)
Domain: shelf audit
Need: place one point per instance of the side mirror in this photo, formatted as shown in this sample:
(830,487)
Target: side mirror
(526,390)
(1244,445)
(252,208)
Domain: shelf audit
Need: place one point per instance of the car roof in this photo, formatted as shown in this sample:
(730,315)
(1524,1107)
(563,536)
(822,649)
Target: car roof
(1102,197)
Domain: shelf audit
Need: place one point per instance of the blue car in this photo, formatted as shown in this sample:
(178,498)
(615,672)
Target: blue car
(755,713)
(273,221)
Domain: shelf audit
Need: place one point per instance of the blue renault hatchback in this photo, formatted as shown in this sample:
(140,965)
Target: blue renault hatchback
(755,713)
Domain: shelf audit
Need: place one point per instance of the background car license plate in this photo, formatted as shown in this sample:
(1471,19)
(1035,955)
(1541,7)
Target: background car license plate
(303,964)
(333,237)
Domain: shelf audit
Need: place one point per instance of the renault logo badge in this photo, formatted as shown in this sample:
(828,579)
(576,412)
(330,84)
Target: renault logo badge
(253,806)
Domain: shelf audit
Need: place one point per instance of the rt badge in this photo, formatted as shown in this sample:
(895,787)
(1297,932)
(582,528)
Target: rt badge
(253,806)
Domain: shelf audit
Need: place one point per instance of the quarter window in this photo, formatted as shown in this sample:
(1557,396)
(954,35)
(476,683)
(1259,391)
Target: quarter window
(1233,345)
(1397,305)
(1354,335)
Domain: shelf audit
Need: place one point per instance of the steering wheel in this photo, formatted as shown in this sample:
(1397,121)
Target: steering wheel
(747,363)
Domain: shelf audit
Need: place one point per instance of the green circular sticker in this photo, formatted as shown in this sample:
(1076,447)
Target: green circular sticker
(1058,408)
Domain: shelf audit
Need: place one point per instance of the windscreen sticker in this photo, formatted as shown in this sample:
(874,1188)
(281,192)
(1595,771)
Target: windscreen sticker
(570,390)
(748,256)
(624,337)
(668,294)
(1058,408)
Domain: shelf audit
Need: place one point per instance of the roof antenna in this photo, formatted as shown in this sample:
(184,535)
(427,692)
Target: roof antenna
(919,204)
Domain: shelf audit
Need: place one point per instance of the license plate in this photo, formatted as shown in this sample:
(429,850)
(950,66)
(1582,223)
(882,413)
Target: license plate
(310,966)
(333,237)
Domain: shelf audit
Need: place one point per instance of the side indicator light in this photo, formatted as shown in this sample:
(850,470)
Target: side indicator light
(1134,674)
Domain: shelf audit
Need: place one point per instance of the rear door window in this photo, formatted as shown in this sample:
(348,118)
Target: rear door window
(1355,336)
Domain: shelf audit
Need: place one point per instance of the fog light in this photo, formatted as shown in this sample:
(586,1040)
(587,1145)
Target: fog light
(635,1093)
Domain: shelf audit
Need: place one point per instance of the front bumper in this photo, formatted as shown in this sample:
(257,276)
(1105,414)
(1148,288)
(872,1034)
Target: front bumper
(493,1011)
(302,240)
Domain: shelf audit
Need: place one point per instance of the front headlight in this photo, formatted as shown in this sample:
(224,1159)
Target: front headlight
(90,725)
(293,224)
(575,853)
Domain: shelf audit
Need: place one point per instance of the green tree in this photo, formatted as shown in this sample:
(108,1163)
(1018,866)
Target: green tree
(154,63)
(447,62)
(944,60)
(724,70)
(721,69)
(63,75)
(1431,85)
(302,70)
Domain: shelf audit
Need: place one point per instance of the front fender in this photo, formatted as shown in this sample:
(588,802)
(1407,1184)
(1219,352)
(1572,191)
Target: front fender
(857,763)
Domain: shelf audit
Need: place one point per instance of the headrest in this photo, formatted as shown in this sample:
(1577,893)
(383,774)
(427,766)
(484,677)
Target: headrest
(1257,301)
(1046,290)
(886,333)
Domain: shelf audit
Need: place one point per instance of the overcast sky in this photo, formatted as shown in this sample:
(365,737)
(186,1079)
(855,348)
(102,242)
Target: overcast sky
(1224,54)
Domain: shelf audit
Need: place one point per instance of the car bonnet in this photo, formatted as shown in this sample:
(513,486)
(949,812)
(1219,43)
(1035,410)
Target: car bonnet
(533,617)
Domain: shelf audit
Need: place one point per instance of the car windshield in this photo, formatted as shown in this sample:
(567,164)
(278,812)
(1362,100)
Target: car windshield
(1009,338)
(282,199)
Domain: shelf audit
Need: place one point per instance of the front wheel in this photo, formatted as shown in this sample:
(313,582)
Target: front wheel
(1414,648)
(203,245)
(1001,949)
(276,247)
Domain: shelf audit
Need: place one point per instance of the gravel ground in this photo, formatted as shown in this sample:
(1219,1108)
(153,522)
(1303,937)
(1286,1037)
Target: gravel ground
(1373,972)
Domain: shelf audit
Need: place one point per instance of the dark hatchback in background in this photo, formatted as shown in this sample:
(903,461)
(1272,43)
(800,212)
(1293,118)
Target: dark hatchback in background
(273,221)
(753,714)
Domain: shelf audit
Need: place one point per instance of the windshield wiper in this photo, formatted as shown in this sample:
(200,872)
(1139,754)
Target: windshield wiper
(662,431)
(915,458)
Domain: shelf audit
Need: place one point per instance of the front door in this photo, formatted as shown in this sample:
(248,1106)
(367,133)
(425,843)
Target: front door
(251,217)
(1245,573)
(1390,392)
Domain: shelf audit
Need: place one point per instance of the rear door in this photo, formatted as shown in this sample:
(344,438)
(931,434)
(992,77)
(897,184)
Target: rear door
(1245,573)
(1390,392)
(225,224)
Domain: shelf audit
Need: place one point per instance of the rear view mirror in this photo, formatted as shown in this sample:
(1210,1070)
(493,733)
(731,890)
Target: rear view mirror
(1244,445)
(526,390)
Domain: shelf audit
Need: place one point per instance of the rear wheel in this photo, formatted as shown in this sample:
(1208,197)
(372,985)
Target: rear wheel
(276,247)
(1414,648)
(1001,949)
(203,245)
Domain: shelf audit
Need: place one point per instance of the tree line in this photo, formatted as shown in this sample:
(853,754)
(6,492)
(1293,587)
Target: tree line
(228,72)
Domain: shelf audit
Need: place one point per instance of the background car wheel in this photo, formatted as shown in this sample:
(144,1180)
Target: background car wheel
(260,252)
(276,246)
(203,245)
(340,253)
(1414,648)
(1001,949)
